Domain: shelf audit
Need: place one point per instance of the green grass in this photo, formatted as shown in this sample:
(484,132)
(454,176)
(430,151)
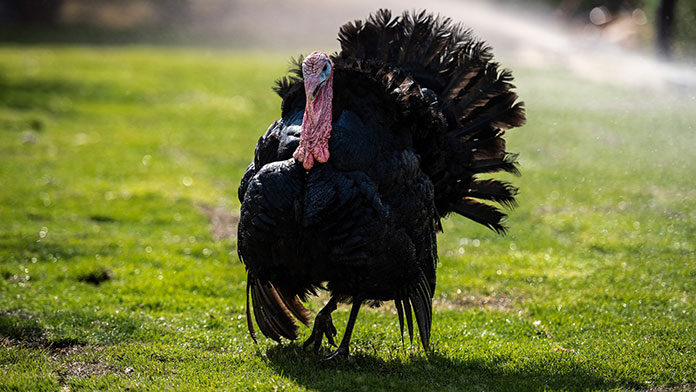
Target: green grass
(108,154)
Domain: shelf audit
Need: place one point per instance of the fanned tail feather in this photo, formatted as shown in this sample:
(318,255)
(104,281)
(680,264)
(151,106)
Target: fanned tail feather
(498,191)
(250,323)
(482,213)
(507,163)
(400,312)
(419,299)
(296,307)
(409,318)
(273,311)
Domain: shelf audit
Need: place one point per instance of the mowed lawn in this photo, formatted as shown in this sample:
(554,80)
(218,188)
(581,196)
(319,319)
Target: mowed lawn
(113,160)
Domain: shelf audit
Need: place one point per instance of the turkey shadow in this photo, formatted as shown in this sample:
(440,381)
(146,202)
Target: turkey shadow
(434,372)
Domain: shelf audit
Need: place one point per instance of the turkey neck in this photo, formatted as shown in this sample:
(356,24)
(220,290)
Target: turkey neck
(316,126)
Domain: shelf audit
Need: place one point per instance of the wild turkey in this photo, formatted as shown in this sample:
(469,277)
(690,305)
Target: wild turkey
(375,145)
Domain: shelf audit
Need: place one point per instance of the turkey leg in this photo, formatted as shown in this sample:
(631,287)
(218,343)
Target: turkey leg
(323,326)
(344,347)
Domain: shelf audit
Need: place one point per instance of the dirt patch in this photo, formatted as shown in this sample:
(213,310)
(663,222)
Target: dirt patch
(102,219)
(96,277)
(673,388)
(223,222)
(495,301)
(71,366)
(18,278)
(70,370)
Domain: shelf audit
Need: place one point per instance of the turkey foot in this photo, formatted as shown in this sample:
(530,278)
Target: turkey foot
(344,349)
(341,352)
(323,326)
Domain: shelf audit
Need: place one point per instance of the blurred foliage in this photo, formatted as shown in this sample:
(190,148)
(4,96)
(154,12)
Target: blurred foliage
(91,12)
(31,11)
(685,23)
(686,27)
(175,14)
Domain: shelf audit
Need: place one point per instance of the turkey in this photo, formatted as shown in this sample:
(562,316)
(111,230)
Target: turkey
(375,145)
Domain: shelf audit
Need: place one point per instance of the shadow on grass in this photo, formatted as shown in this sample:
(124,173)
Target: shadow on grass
(20,327)
(28,331)
(435,372)
(55,95)
(67,329)
(46,95)
(26,246)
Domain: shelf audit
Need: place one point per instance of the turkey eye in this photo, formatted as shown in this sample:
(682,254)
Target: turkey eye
(325,68)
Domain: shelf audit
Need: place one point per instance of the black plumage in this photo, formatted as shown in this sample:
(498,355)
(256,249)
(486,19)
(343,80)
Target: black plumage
(419,110)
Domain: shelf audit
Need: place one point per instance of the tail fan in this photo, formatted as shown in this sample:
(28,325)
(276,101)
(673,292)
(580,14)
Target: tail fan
(439,58)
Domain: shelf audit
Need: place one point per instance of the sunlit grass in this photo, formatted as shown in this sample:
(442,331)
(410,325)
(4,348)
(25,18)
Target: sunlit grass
(108,154)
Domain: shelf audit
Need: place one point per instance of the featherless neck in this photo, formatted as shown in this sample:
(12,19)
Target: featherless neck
(317,116)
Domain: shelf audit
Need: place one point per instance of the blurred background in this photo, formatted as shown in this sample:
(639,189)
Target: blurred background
(613,40)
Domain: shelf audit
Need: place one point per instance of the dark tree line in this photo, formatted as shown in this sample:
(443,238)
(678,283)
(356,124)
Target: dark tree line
(175,12)
(31,11)
(47,12)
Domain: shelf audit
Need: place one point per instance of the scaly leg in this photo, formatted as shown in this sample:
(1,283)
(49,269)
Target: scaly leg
(344,347)
(323,326)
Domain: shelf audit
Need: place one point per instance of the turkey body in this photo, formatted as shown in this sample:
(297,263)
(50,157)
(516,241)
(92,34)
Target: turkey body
(408,136)
(362,222)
